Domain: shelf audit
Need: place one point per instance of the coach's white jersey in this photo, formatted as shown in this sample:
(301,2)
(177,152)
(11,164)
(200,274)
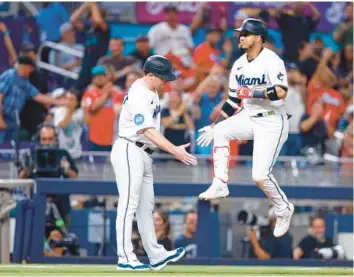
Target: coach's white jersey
(266,70)
(141,110)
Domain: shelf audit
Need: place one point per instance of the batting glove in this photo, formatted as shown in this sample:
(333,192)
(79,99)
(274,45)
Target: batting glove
(206,135)
(244,92)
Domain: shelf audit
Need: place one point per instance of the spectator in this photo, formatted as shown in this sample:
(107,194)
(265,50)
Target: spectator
(38,78)
(33,113)
(171,37)
(98,106)
(163,229)
(270,44)
(65,60)
(118,65)
(49,19)
(295,27)
(346,68)
(307,61)
(202,20)
(270,247)
(295,106)
(231,49)
(8,44)
(314,132)
(321,86)
(15,88)
(66,167)
(177,121)
(97,38)
(206,97)
(206,54)
(69,121)
(187,239)
(313,244)
(142,49)
(344,32)
(318,47)
(177,85)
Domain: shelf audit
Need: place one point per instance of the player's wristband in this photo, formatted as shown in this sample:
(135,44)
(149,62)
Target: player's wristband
(6,33)
(270,92)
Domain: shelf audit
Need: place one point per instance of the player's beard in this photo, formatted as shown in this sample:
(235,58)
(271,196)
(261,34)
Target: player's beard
(242,47)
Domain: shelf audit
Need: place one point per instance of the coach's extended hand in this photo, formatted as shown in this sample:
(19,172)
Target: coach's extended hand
(206,135)
(181,154)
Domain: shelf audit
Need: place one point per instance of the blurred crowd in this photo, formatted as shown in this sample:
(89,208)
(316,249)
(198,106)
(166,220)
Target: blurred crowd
(85,111)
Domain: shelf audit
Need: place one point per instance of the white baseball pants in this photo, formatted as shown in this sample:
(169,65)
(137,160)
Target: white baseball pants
(269,134)
(133,169)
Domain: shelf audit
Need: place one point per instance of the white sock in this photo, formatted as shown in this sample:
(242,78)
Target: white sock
(221,155)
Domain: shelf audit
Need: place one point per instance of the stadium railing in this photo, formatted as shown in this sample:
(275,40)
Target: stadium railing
(56,69)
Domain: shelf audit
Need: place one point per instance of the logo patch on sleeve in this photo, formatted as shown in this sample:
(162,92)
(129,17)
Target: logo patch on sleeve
(138,119)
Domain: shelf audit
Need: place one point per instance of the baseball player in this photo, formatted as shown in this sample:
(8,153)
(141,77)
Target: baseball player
(139,136)
(258,78)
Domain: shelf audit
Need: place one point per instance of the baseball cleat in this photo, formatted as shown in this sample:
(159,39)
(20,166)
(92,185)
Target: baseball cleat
(283,222)
(133,266)
(218,189)
(174,256)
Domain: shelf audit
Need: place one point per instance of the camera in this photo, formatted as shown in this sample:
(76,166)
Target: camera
(47,160)
(245,217)
(69,243)
(335,252)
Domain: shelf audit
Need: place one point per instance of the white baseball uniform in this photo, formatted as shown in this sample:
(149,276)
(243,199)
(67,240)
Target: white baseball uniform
(262,120)
(133,170)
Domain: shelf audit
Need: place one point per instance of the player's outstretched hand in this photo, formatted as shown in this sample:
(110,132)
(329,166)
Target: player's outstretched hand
(181,154)
(206,135)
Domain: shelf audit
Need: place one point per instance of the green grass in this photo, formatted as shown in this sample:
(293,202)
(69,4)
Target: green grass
(176,270)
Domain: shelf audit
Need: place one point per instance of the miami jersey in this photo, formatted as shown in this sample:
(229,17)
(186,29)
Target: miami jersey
(141,110)
(266,70)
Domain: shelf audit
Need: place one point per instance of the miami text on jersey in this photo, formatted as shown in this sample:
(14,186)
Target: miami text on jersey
(243,81)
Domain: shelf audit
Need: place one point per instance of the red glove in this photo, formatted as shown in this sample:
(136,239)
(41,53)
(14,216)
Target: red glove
(244,92)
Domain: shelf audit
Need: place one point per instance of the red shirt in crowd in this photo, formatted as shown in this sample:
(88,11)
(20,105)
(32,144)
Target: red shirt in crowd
(101,122)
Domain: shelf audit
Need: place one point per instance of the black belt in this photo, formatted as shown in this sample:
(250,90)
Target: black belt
(147,149)
(264,114)
(270,113)
(140,145)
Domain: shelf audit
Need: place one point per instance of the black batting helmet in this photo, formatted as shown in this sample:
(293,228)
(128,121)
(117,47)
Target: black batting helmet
(254,26)
(159,66)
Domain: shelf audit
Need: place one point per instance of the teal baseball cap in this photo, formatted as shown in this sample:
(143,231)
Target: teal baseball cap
(98,70)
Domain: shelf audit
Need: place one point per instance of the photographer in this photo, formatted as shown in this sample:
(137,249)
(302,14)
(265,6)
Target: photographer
(269,246)
(316,245)
(48,160)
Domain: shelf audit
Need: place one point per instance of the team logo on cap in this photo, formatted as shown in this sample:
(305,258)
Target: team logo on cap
(138,119)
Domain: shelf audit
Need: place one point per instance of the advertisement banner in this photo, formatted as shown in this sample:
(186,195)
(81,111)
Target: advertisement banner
(153,12)
(332,13)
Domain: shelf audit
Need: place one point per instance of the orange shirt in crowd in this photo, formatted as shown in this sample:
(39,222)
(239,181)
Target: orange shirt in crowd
(101,123)
(334,106)
(204,57)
